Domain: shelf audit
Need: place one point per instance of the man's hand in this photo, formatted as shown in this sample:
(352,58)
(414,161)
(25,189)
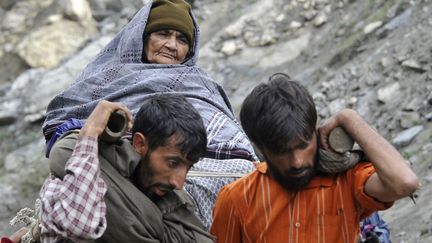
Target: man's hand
(16,237)
(98,119)
(393,178)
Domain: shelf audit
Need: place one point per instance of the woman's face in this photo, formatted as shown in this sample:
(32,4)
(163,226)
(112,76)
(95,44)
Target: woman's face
(166,47)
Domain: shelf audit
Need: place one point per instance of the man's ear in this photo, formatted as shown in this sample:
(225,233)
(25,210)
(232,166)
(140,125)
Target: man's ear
(140,144)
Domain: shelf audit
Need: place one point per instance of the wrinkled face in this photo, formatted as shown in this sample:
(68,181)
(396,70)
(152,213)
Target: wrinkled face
(295,167)
(162,170)
(166,47)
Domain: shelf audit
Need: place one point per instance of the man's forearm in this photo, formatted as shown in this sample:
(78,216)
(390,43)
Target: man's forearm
(392,170)
(74,207)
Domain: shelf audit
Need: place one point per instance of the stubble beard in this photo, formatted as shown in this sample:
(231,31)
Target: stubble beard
(292,183)
(143,179)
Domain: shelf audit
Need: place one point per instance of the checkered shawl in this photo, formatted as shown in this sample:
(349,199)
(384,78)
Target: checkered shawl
(117,74)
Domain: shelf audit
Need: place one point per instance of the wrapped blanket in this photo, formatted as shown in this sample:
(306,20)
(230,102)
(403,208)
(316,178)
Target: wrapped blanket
(117,74)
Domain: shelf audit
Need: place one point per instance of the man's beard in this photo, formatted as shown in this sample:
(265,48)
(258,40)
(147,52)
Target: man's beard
(143,179)
(290,182)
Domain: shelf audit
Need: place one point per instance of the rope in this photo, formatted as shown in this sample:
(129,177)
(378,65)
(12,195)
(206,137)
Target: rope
(28,217)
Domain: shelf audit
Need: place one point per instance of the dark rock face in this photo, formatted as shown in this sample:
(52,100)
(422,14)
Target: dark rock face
(372,56)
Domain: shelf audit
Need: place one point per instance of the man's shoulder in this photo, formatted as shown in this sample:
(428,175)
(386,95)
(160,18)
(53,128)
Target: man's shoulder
(348,179)
(361,169)
(363,165)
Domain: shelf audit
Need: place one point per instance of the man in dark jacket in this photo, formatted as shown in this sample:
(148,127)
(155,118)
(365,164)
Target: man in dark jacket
(106,190)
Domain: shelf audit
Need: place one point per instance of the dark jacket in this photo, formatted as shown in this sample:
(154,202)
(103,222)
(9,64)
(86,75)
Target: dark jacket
(131,215)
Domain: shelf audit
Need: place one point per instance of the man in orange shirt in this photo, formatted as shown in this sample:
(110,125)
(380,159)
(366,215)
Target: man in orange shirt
(287,199)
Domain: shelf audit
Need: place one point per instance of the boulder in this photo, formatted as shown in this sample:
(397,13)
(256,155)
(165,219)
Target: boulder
(21,98)
(78,10)
(8,112)
(372,27)
(232,31)
(255,37)
(309,15)
(428,117)
(11,65)
(409,119)
(229,48)
(22,16)
(320,19)
(414,65)
(295,25)
(48,45)
(14,21)
(389,93)
(405,137)
(62,77)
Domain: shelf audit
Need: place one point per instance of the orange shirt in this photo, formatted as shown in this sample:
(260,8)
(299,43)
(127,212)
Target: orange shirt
(257,209)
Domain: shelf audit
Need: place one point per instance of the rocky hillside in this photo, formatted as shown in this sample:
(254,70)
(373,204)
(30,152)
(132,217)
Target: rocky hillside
(373,56)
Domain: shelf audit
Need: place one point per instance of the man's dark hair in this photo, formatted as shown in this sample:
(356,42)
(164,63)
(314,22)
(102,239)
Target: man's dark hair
(278,112)
(163,116)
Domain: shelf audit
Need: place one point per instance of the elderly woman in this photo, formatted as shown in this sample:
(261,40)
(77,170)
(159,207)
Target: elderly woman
(157,53)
